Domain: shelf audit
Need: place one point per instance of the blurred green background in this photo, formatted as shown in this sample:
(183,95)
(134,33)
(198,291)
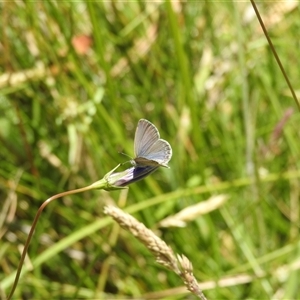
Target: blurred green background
(75,79)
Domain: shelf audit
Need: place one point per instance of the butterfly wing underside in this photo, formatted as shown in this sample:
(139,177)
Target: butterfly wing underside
(149,149)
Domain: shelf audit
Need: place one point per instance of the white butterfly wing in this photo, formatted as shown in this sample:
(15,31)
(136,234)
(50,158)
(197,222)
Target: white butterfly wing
(160,152)
(146,135)
(148,147)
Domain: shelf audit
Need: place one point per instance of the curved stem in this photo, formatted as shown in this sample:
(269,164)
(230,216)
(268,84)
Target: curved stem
(36,218)
(275,53)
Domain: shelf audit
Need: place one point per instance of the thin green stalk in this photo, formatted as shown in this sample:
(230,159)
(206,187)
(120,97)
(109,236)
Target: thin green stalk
(33,226)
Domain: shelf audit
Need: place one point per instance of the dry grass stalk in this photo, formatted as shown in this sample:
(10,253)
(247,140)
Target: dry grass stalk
(194,211)
(162,252)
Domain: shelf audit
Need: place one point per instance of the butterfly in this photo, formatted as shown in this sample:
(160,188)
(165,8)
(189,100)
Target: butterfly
(149,148)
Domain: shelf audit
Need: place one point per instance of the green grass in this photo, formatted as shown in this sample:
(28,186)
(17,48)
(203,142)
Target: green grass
(205,76)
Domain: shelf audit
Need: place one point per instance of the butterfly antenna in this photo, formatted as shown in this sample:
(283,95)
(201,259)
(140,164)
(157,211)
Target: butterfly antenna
(128,161)
(126,155)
